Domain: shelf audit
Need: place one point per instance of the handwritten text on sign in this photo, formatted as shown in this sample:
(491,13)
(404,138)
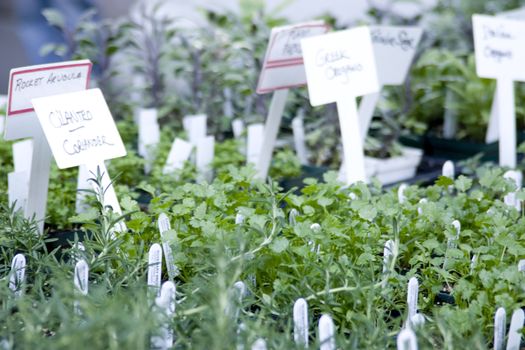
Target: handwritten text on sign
(283,63)
(394,49)
(45,80)
(500,47)
(79,128)
(339,66)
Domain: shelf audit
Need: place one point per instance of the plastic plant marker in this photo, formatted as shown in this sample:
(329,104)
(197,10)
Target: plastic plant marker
(254,143)
(300,322)
(510,199)
(339,67)
(195,126)
(239,219)
(164,226)
(204,157)
(388,254)
(500,324)
(81,282)
(315,227)
(450,125)
(416,321)
(227,107)
(282,69)
(166,302)
(299,139)
(238,128)
(180,152)
(148,136)
(457,226)
(521,265)
(500,52)
(412,296)
(260,344)
(17,189)
(155,268)
(422,202)
(18,275)
(238,292)
(25,84)
(448,169)
(516,324)
(401,198)
(326,333)
(292,217)
(406,340)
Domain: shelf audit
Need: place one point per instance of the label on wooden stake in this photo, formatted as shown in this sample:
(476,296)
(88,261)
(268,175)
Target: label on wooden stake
(283,63)
(79,128)
(155,267)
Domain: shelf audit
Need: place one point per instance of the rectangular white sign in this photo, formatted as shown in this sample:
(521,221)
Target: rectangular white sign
(27,83)
(394,48)
(283,63)
(79,128)
(340,66)
(500,47)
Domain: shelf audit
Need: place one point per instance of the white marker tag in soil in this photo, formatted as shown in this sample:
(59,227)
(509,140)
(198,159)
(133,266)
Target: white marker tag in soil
(521,265)
(500,325)
(82,277)
(79,128)
(149,136)
(155,268)
(239,219)
(416,321)
(422,202)
(510,199)
(179,153)
(388,253)
(205,153)
(18,275)
(292,217)
(326,333)
(448,169)
(164,227)
(166,303)
(195,126)
(300,322)
(260,344)
(516,324)
(339,67)
(254,143)
(283,63)
(299,139)
(412,296)
(238,292)
(237,128)
(27,83)
(401,198)
(406,340)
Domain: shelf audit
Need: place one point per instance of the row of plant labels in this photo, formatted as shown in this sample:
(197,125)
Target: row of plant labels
(52,103)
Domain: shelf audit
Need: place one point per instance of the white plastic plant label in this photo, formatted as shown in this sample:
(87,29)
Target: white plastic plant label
(28,83)
(394,48)
(179,153)
(401,197)
(155,268)
(406,340)
(500,327)
(22,155)
(166,303)
(164,228)
(339,66)
(412,296)
(237,128)
(326,333)
(149,136)
(283,63)
(516,324)
(448,169)
(259,344)
(254,143)
(195,126)
(299,139)
(204,157)
(81,282)
(300,322)
(388,254)
(79,128)
(500,47)
(18,275)
(17,189)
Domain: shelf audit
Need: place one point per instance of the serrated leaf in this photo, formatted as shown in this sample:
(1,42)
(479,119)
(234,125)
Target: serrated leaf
(279,245)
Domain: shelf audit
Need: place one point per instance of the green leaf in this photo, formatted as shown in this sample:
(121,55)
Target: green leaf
(279,245)
(444,181)
(463,183)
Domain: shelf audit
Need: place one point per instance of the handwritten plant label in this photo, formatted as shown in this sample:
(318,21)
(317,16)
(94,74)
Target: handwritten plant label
(79,128)
(394,48)
(18,275)
(500,47)
(81,282)
(340,66)
(283,62)
(27,83)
